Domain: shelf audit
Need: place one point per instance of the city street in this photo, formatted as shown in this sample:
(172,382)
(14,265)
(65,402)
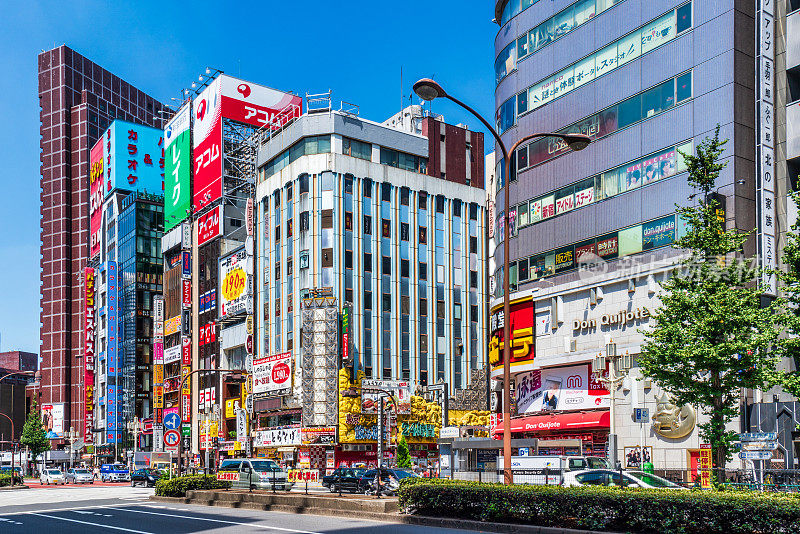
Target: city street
(88,509)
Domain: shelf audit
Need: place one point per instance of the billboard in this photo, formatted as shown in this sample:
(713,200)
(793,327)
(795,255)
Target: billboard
(177,167)
(133,158)
(523,337)
(560,389)
(275,437)
(53,420)
(234,282)
(400,390)
(88,354)
(96,177)
(209,226)
(273,374)
(230,98)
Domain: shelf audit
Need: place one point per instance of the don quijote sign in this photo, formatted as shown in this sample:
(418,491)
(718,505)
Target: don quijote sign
(620,318)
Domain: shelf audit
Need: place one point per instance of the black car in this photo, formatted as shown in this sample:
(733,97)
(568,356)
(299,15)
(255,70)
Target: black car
(144,477)
(369,476)
(343,478)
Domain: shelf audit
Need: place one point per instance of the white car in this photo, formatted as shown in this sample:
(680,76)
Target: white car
(79,476)
(52,476)
(624,479)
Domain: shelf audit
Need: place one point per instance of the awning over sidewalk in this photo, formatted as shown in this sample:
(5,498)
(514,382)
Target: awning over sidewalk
(558,422)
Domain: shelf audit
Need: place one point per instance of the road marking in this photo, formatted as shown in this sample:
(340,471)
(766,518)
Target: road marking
(65,509)
(91,524)
(266,527)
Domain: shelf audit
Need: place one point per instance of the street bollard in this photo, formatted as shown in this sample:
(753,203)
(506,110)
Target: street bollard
(273,481)
(479,476)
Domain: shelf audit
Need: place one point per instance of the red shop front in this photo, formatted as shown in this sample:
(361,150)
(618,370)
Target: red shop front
(591,427)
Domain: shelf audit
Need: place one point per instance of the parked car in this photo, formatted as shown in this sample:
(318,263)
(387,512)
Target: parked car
(368,476)
(114,473)
(79,476)
(52,476)
(145,477)
(254,473)
(344,479)
(623,479)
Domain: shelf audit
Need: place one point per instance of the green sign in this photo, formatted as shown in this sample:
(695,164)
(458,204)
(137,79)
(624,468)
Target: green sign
(177,168)
(186,430)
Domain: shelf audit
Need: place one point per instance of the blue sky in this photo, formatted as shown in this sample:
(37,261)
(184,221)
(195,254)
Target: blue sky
(355,48)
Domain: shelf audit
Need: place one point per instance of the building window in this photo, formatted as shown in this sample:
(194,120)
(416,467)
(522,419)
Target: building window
(368,188)
(368,261)
(356,149)
(386,192)
(404,231)
(439,204)
(367,224)
(386,228)
(386,267)
(423,271)
(423,235)
(404,194)
(423,200)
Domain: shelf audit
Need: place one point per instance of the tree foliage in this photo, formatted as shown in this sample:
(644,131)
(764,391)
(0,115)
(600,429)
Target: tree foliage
(789,303)
(34,435)
(711,335)
(403,456)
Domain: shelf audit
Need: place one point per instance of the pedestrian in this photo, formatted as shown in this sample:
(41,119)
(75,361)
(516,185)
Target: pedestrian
(96,472)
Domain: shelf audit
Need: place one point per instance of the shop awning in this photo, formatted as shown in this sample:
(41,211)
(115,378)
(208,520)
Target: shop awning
(557,422)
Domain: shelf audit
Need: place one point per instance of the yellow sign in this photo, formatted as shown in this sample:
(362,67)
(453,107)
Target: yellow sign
(158,396)
(521,342)
(230,408)
(705,466)
(172,325)
(234,284)
(158,374)
(187,380)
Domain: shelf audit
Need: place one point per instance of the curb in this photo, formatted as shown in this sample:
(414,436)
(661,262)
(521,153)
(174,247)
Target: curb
(387,517)
(15,487)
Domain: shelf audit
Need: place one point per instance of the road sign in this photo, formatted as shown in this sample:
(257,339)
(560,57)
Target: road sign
(760,445)
(171,438)
(759,436)
(641,415)
(755,455)
(172,421)
(186,430)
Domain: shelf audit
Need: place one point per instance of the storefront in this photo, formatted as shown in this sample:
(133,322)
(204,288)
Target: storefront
(571,433)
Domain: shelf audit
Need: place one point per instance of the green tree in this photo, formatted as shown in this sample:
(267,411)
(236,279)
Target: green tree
(711,336)
(34,435)
(403,457)
(789,317)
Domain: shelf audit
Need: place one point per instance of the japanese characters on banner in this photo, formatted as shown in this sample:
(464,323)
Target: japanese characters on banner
(235,291)
(230,98)
(172,325)
(209,226)
(400,391)
(88,355)
(273,374)
(96,177)
(523,337)
(559,388)
(133,158)
(177,145)
(158,314)
(276,437)
(172,354)
(765,147)
(187,293)
(113,356)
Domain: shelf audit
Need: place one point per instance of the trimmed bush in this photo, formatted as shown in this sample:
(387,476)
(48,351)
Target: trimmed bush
(5,480)
(601,508)
(178,486)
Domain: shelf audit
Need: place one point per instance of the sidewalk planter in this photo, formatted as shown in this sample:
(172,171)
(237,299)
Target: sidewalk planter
(178,486)
(604,509)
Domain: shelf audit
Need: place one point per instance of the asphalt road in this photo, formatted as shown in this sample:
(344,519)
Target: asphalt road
(122,509)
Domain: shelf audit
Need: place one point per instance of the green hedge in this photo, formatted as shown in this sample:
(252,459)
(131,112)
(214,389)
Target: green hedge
(601,508)
(5,480)
(178,486)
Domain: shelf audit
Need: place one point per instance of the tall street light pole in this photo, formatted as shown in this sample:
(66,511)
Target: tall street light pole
(428,90)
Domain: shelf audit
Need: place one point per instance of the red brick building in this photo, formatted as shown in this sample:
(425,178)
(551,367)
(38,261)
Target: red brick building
(78,100)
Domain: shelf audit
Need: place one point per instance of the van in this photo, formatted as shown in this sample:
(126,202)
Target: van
(114,473)
(549,469)
(254,473)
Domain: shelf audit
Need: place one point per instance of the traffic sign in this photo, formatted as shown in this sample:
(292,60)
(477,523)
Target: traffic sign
(758,436)
(760,445)
(171,438)
(641,415)
(172,421)
(755,455)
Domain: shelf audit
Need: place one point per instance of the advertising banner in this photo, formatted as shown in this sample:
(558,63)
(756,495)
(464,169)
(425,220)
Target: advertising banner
(347,357)
(158,316)
(276,437)
(177,166)
(209,226)
(158,352)
(400,391)
(88,355)
(559,389)
(96,175)
(172,354)
(53,420)
(172,325)
(272,374)
(133,158)
(186,351)
(257,105)
(234,284)
(319,435)
(207,146)
(187,293)
(522,337)
(113,341)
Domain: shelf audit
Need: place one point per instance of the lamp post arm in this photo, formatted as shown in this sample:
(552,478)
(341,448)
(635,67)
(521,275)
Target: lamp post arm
(484,122)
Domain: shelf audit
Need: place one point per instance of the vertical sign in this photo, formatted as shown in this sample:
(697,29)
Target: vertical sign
(113,354)
(96,166)
(705,466)
(158,361)
(178,161)
(207,149)
(347,359)
(765,144)
(88,356)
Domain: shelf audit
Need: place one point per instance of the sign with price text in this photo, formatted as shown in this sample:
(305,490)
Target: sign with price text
(273,374)
(234,284)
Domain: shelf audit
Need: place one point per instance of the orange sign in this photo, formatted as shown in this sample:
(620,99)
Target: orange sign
(232,476)
(234,284)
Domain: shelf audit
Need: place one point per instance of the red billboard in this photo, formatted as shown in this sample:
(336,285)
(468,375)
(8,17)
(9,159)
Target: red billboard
(209,226)
(230,98)
(96,173)
(523,337)
(88,354)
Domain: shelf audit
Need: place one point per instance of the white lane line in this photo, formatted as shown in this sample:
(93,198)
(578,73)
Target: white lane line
(266,527)
(91,524)
(66,509)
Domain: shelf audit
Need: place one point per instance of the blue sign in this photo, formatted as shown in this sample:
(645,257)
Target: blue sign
(172,421)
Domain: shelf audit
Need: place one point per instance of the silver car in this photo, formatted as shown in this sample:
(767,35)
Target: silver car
(52,476)
(79,476)
(254,473)
(624,479)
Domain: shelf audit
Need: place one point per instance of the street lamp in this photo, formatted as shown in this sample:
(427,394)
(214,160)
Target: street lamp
(428,90)
(613,380)
(72,436)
